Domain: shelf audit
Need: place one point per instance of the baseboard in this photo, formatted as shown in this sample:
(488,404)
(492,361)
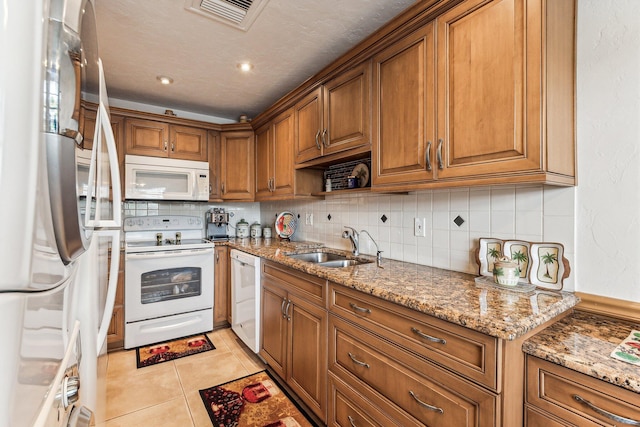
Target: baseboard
(611,307)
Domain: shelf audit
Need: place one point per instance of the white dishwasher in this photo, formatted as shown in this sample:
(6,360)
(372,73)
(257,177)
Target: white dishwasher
(245,298)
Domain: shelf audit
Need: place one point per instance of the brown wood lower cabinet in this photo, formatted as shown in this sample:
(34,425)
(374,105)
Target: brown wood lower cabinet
(428,393)
(557,396)
(294,332)
(115,334)
(221,287)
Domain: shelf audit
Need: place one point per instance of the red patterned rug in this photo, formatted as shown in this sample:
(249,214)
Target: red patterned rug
(171,350)
(254,400)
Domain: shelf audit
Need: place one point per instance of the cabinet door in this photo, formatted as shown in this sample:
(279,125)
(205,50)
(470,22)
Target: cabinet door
(282,175)
(308,127)
(307,354)
(87,127)
(115,334)
(489,63)
(264,162)
(404,110)
(117,125)
(274,328)
(214,150)
(237,165)
(221,278)
(146,138)
(188,143)
(347,110)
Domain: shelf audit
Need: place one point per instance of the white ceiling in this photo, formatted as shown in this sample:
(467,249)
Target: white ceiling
(289,42)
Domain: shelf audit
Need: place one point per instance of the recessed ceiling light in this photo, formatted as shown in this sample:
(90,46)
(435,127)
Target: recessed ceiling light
(165,80)
(245,66)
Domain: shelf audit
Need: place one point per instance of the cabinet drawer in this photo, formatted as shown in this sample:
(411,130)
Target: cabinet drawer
(310,287)
(348,406)
(536,418)
(427,392)
(557,390)
(470,353)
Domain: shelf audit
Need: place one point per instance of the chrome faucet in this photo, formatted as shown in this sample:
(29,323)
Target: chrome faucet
(378,251)
(355,239)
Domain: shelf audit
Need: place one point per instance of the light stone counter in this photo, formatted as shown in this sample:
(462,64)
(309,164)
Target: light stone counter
(444,294)
(583,342)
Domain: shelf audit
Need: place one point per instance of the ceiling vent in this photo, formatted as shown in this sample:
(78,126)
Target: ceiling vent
(236,13)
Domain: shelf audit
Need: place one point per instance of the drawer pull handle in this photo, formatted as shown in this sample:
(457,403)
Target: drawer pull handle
(614,417)
(426,405)
(286,310)
(284,301)
(428,337)
(353,424)
(360,309)
(357,362)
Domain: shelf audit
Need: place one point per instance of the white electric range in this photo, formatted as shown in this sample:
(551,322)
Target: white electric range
(169,270)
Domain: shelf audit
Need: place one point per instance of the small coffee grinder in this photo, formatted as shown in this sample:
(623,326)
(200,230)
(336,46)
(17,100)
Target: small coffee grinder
(217,220)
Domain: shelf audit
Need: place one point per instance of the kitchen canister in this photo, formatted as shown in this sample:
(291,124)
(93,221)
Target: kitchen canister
(256,230)
(506,272)
(242,229)
(266,232)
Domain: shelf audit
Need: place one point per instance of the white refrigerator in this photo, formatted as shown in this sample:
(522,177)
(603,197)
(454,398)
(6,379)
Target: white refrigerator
(56,225)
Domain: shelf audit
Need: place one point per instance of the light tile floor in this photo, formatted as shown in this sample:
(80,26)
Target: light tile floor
(167,394)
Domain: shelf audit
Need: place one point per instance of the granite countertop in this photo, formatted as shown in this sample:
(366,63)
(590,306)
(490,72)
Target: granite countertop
(583,342)
(447,295)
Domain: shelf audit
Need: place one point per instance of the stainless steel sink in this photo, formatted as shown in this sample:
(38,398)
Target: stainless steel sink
(327,259)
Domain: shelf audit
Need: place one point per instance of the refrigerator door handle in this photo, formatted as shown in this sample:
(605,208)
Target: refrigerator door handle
(112,286)
(103,123)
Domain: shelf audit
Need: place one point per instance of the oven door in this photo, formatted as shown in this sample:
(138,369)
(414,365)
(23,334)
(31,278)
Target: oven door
(165,283)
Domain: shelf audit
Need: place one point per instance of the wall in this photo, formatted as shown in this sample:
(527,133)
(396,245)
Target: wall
(530,213)
(608,107)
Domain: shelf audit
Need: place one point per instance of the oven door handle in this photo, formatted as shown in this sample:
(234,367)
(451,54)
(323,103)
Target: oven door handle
(169,254)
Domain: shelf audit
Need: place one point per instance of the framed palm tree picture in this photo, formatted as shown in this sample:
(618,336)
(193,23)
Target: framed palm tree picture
(548,265)
(489,252)
(520,252)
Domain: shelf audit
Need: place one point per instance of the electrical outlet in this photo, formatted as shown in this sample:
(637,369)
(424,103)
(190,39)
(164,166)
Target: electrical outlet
(418,227)
(308,219)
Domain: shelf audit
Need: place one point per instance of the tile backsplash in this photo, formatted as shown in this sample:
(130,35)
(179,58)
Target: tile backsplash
(531,213)
(454,220)
(237,211)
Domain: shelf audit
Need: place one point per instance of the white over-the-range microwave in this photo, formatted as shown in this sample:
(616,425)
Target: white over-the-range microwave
(157,178)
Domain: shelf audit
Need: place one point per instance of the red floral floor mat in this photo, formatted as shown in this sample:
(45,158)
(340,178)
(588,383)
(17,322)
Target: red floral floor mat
(171,350)
(255,401)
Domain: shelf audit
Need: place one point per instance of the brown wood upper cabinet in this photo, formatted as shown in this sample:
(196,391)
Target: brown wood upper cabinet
(494,104)
(237,165)
(214,149)
(335,117)
(159,139)
(88,128)
(274,158)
